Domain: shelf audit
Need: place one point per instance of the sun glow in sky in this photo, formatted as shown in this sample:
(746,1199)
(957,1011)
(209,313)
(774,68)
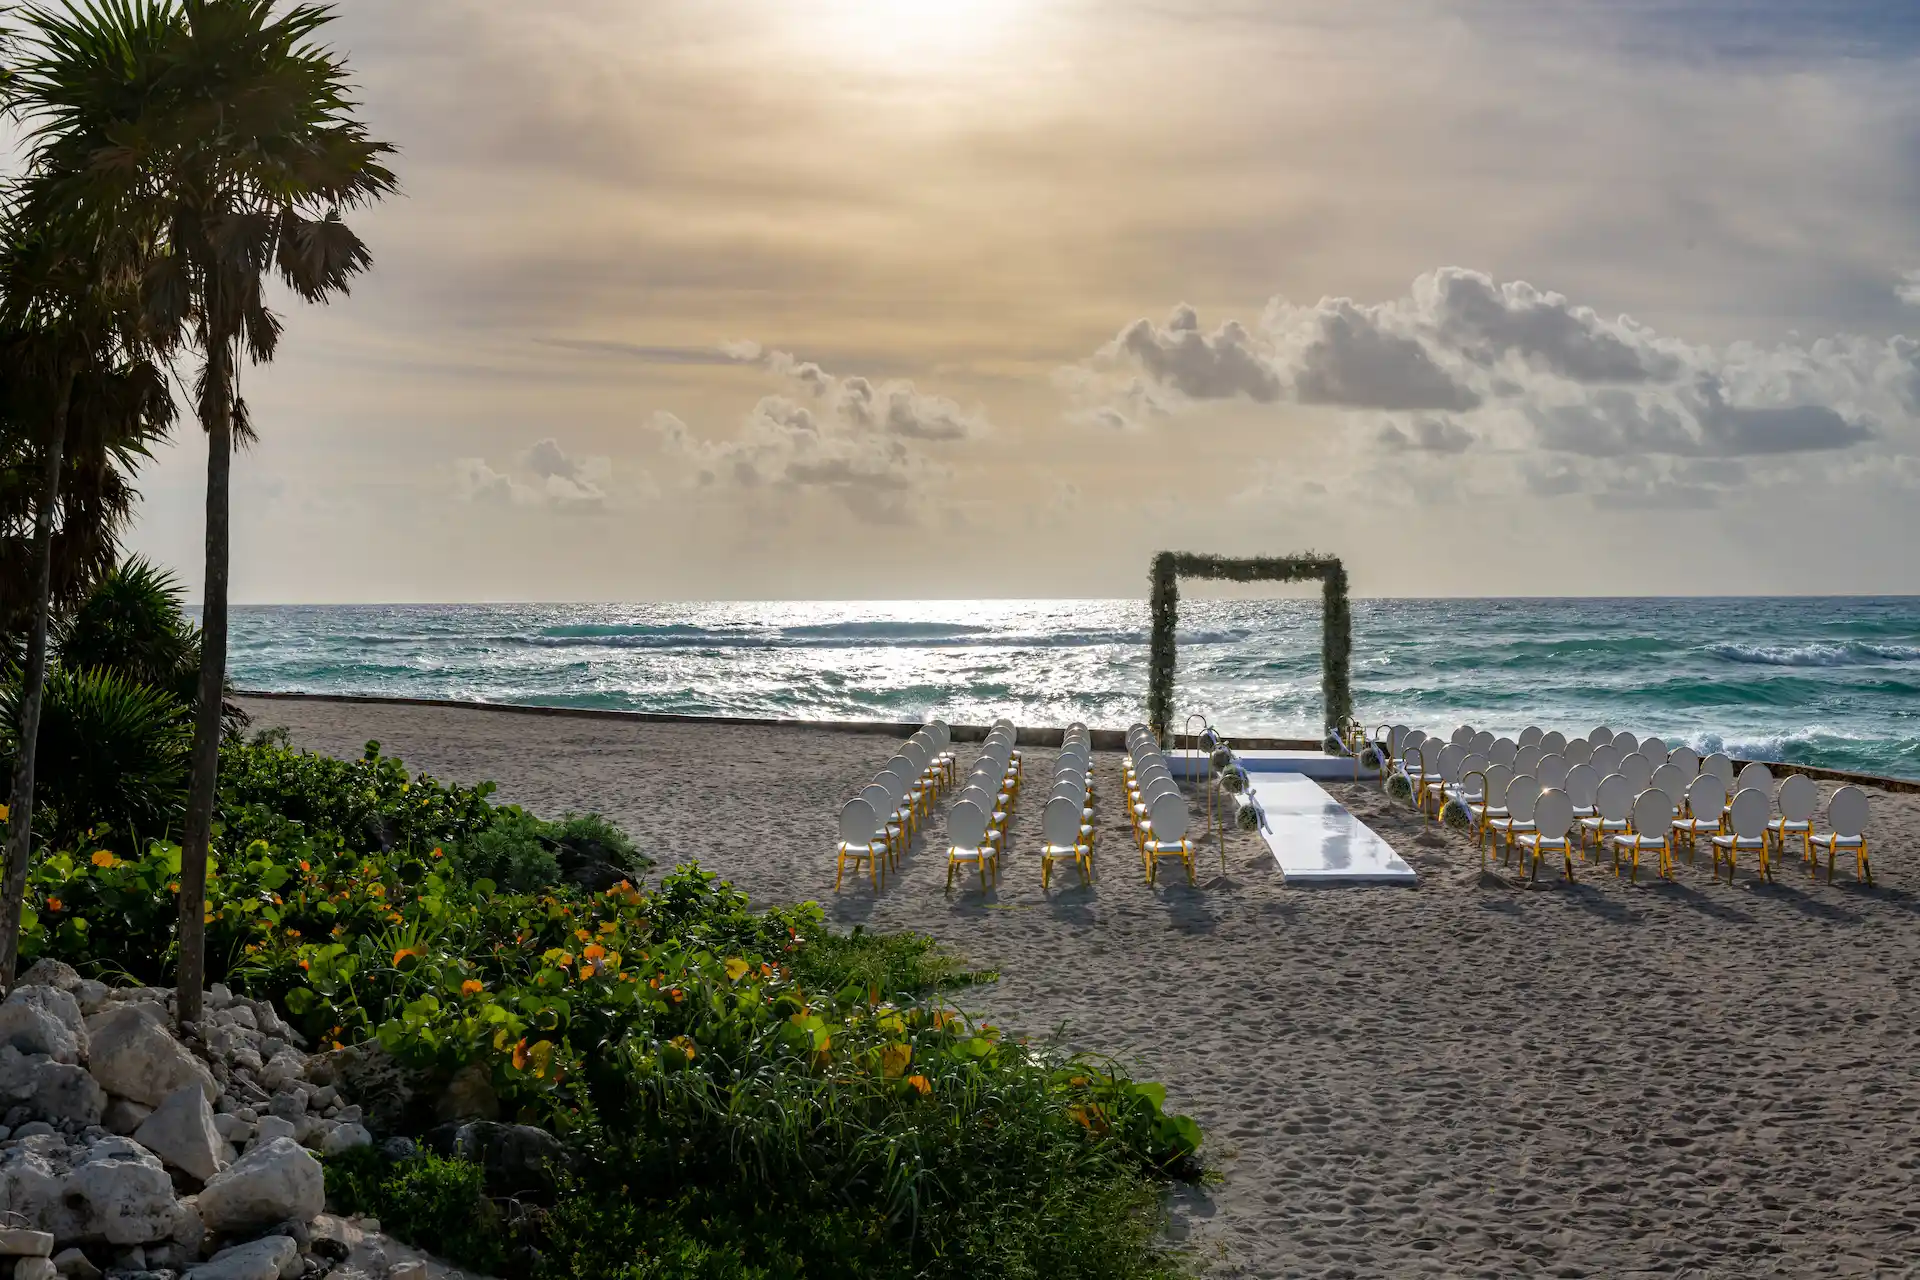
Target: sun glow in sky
(892,298)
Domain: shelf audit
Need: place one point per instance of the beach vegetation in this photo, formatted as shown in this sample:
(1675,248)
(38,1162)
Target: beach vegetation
(742,1092)
(237,150)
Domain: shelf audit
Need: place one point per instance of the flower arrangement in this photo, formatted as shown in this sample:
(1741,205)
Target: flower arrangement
(1456,816)
(1400,787)
(1336,645)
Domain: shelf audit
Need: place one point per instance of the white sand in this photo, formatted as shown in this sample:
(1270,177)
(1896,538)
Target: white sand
(1468,1078)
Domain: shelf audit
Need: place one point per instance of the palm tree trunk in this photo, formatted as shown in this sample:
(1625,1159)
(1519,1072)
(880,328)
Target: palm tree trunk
(204,789)
(34,688)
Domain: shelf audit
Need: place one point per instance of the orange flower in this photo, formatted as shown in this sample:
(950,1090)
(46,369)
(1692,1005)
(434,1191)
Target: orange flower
(304,965)
(403,953)
(921,1083)
(304,866)
(675,993)
(685,1045)
(54,904)
(520,1056)
(583,935)
(594,952)
(104,859)
(437,853)
(472,987)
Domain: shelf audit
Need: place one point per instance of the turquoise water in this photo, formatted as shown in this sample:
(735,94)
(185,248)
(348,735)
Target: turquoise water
(1825,682)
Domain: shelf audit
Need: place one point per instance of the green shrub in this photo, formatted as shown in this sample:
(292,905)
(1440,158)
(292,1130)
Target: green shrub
(512,852)
(438,1202)
(112,754)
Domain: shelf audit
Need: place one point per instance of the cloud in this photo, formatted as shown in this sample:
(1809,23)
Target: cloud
(547,477)
(644,353)
(1356,362)
(1484,321)
(1909,288)
(1201,366)
(1427,435)
(1462,357)
(892,406)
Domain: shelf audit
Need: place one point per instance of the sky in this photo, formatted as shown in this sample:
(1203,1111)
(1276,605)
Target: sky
(700,299)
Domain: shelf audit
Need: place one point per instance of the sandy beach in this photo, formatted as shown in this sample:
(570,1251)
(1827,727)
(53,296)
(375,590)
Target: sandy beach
(1472,1077)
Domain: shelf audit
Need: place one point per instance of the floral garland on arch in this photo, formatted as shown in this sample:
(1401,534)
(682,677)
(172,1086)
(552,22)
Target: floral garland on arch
(1336,645)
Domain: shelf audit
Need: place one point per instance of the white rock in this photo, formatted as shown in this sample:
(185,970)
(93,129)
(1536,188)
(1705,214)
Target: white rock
(67,1093)
(123,1116)
(345,1138)
(247,1057)
(181,1132)
(218,997)
(282,1069)
(121,1194)
(233,1128)
(35,1269)
(135,1057)
(76,1265)
(190,1232)
(273,1182)
(30,1184)
(43,1020)
(241,1015)
(91,995)
(268,1258)
(24,1242)
(268,1128)
(50,973)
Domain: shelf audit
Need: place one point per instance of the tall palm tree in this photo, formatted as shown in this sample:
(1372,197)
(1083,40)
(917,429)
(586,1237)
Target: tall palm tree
(78,403)
(228,130)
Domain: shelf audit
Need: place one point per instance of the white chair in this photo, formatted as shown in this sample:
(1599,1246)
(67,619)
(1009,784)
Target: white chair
(1673,780)
(967,830)
(1600,737)
(1799,797)
(1605,760)
(1168,837)
(1638,770)
(1469,780)
(1847,814)
(903,812)
(1613,813)
(1482,743)
(1492,787)
(1706,807)
(1527,758)
(1552,771)
(1503,751)
(1582,787)
(1747,823)
(1756,777)
(857,825)
(1654,749)
(1554,743)
(1720,763)
(890,823)
(1462,736)
(1522,794)
(1579,751)
(1060,832)
(914,776)
(1687,760)
(1627,743)
(1531,735)
(1444,768)
(1652,829)
(1552,819)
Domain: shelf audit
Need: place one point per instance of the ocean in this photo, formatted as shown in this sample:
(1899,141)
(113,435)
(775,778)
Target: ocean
(1831,682)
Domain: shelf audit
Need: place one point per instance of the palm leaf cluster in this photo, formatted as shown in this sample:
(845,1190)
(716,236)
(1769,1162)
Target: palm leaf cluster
(182,156)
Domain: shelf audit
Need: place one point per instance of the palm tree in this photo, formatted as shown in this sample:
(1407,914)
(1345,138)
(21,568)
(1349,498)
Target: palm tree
(78,404)
(228,131)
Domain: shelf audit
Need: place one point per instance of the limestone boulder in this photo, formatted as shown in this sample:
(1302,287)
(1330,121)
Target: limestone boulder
(268,1258)
(134,1056)
(51,973)
(273,1182)
(44,1020)
(181,1132)
(121,1194)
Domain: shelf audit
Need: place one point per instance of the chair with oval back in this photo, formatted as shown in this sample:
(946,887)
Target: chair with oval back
(1706,805)
(1600,736)
(1638,770)
(1527,759)
(970,842)
(1627,743)
(1522,793)
(858,824)
(1531,735)
(1554,743)
(1605,760)
(1060,838)
(1613,813)
(1471,780)
(1721,763)
(888,823)
(1673,780)
(1493,782)
(1686,759)
(1654,749)
(1445,770)
(1582,784)
(1652,829)
(1847,814)
(1462,736)
(1169,836)
(1482,743)
(1799,797)
(1758,777)
(1579,751)
(1552,819)
(1503,751)
(1746,829)
(1552,770)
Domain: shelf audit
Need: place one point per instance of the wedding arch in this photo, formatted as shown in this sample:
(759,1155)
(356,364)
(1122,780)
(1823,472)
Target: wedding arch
(1336,644)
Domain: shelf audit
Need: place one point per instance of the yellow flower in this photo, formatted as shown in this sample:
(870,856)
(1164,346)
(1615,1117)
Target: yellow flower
(588,970)
(685,1045)
(5,813)
(894,1059)
(736,968)
(104,859)
(921,1083)
(472,987)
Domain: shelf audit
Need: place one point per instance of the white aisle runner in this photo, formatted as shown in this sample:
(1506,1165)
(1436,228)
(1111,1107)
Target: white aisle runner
(1315,839)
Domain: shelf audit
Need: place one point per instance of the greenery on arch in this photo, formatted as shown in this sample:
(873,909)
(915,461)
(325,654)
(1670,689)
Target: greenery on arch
(1336,646)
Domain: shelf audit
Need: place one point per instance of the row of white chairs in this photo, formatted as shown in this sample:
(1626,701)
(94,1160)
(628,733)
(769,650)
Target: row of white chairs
(1066,824)
(1618,798)
(977,823)
(1155,804)
(877,825)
